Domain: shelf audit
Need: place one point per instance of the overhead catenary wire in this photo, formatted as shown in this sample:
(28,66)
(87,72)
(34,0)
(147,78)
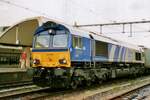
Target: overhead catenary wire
(129,24)
(25,8)
(39,12)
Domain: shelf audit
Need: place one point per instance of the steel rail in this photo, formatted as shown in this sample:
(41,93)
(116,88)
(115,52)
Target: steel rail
(14,84)
(8,93)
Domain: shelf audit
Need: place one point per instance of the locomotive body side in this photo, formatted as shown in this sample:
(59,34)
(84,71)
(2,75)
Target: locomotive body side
(91,50)
(123,54)
(147,57)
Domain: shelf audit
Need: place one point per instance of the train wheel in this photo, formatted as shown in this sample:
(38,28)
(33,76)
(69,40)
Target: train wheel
(74,85)
(104,77)
(100,81)
(88,83)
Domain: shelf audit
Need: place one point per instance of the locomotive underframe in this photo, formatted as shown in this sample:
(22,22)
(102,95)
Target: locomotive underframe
(85,73)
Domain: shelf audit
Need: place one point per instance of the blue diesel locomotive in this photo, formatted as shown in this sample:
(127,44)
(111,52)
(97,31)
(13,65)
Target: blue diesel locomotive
(65,56)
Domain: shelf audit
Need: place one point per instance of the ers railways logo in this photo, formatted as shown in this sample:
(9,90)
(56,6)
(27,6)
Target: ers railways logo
(50,56)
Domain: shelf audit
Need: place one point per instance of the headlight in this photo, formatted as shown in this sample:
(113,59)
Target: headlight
(36,61)
(62,61)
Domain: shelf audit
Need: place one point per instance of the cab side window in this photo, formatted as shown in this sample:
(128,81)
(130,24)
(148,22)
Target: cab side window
(77,42)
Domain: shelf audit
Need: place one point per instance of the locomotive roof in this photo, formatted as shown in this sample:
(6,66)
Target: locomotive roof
(85,33)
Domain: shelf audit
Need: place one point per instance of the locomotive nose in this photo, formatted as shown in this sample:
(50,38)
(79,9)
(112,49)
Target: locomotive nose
(51,59)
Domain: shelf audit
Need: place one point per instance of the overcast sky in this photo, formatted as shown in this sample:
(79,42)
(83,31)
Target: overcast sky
(80,11)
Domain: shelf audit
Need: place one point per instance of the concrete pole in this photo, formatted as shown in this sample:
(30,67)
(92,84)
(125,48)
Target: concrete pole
(28,52)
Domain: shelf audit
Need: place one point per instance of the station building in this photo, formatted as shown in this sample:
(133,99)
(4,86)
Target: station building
(16,42)
(15,49)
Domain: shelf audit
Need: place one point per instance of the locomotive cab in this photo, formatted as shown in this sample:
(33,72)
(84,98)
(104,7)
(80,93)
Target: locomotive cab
(50,46)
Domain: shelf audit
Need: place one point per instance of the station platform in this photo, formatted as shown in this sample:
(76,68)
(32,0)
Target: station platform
(11,75)
(12,70)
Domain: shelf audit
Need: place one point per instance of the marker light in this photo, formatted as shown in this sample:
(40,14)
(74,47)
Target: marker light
(62,61)
(36,61)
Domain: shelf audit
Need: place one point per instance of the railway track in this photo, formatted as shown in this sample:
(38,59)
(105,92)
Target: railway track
(44,94)
(19,91)
(97,92)
(137,94)
(14,84)
(106,91)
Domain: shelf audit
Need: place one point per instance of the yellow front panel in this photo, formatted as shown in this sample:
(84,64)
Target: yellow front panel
(51,59)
